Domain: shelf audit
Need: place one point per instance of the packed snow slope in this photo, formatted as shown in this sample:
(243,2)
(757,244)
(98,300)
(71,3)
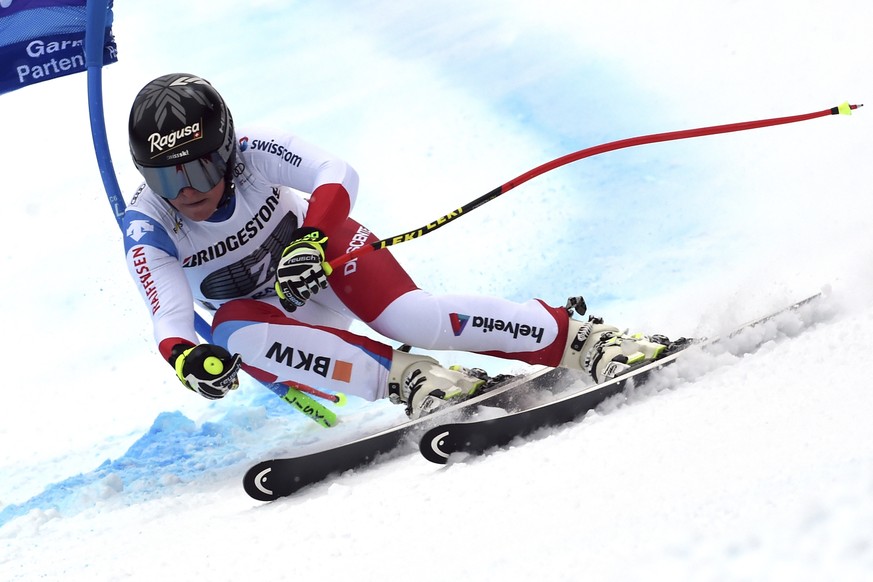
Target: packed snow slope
(740,465)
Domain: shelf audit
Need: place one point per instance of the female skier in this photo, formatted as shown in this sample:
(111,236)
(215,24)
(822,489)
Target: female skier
(244,221)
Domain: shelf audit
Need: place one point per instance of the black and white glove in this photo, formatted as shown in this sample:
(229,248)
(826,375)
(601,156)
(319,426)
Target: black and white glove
(206,369)
(302,271)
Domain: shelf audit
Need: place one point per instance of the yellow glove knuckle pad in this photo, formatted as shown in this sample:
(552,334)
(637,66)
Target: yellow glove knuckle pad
(213,365)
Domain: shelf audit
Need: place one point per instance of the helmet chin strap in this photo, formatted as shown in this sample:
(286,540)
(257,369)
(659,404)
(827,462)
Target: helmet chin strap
(229,186)
(229,193)
(225,205)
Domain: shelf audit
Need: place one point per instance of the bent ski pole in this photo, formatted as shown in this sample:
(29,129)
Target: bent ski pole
(300,397)
(844,109)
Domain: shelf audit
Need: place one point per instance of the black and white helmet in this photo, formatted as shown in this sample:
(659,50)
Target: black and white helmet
(181,134)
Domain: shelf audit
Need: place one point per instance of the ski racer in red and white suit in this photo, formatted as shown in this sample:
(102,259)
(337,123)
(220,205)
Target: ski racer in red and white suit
(241,223)
(227,263)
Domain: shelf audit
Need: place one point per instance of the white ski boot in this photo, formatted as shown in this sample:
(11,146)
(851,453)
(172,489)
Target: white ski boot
(604,352)
(425,386)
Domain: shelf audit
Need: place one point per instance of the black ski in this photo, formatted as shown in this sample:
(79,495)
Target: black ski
(478,436)
(275,478)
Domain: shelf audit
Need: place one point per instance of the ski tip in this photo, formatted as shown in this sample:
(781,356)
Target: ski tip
(257,482)
(433,445)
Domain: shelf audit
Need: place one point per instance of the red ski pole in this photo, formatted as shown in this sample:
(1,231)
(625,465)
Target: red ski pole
(844,109)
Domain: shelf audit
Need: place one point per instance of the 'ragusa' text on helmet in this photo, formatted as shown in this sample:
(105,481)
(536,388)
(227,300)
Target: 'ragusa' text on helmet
(181,134)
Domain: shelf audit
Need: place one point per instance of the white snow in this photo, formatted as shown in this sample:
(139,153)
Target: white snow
(730,467)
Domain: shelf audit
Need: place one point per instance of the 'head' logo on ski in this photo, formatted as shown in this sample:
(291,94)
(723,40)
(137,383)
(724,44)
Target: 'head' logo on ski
(459,322)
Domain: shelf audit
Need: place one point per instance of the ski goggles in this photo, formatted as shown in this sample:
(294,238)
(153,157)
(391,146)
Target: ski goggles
(202,174)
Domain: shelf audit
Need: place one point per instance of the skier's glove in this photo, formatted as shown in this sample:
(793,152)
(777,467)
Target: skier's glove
(302,271)
(206,369)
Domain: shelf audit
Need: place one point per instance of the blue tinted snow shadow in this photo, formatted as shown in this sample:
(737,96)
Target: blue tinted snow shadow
(174,451)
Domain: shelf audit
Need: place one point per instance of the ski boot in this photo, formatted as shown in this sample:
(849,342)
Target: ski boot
(424,386)
(604,352)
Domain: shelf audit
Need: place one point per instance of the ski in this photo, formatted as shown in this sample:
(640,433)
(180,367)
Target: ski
(280,477)
(478,436)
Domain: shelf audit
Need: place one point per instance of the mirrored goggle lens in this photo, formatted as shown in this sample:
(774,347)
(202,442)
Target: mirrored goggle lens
(202,174)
